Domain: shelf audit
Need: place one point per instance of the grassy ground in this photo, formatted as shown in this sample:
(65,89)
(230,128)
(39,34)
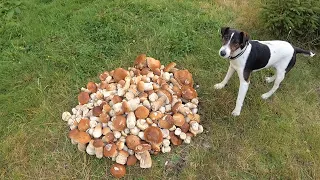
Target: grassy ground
(52,48)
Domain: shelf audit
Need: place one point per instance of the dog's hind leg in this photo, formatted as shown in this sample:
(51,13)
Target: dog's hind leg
(271,79)
(279,77)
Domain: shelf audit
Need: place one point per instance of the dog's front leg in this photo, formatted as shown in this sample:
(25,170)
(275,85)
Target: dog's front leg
(226,79)
(244,85)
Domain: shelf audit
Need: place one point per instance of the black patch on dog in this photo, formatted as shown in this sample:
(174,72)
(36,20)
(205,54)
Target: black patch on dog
(291,63)
(258,58)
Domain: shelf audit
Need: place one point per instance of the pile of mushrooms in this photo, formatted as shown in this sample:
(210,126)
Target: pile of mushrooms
(133,113)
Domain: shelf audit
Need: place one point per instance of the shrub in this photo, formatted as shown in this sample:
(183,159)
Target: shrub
(298,18)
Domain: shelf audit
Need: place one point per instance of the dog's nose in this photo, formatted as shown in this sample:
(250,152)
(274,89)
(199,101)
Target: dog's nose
(223,53)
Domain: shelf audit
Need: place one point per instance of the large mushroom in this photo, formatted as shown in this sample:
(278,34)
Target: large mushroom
(143,155)
(184,77)
(132,141)
(119,123)
(141,61)
(118,170)
(120,74)
(153,135)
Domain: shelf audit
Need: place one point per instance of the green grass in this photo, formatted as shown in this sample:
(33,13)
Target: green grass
(52,48)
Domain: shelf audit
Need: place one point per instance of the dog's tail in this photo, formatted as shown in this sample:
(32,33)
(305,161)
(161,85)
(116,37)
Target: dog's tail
(302,51)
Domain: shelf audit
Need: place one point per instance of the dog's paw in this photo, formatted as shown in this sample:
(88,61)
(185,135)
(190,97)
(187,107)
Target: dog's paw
(235,112)
(270,79)
(219,86)
(265,96)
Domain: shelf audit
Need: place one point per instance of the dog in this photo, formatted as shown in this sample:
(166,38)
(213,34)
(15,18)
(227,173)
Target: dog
(247,56)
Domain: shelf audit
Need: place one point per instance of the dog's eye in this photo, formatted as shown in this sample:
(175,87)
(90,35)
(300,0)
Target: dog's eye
(226,37)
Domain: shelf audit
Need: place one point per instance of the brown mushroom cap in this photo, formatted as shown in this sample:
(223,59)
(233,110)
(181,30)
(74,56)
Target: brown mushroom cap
(142,148)
(175,140)
(73,133)
(184,77)
(144,71)
(132,160)
(84,124)
(166,122)
(118,170)
(194,117)
(119,74)
(140,61)
(83,137)
(141,112)
(119,123)
(143,96)
(83,97)
(177,91)
(116,99)
(98,143)
(96,111)
(153,63)
(110,150)
(162,92)
(185,127)
(178,119)
(176,106)
(153,135)
(132,141)
(104,118)
(188,92)
(92,87)
(106,108)
(103,76)
(109,137)
(155,115)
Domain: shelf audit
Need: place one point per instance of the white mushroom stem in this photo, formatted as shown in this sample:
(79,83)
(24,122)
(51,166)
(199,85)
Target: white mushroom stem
(90,148)
(177,131)
(142,124)
(141,135)
(129,95)
(117,134)
(124,89)
(191,105)
(134,103)
(166,76)
(152,97)
(166,142)
(135,130)
(117,107)
(168,107)
(194,111)
(99,152)
(183,135)
(175,82)
(195,101)
(82,147)
(187,140)
(158,103)
(131,120)
(162,109)
(165,133)
(166,149)
(90,131)
(147,104)
(173,128)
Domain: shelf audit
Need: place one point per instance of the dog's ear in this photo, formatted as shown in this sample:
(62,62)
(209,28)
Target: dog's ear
(245,38)
(224,30)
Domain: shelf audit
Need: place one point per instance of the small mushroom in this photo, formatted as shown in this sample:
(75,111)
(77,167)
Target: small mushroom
(132,141)
(122,157)
(108,138)
(141,112)
(155,115)
(184,77)
(164,97)
(84,124)
(120,74)
(66,116)
(98,146)
(169,67)
(142,86)
(135,130)
(183,135)
(143,155)
(90,148)
(97,132)
(83,97)
(132,160)
(174,139)
(118,170)
(110,150)
(104,118)
(96,111)
(165,133)
(92,87)
(178,119)
(141,61)
(185,127)
(166,122)
(153,97)
(153,64)
(142,124)
(177,132)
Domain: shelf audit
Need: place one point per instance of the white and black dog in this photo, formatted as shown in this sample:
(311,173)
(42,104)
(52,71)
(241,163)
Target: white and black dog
(248,56)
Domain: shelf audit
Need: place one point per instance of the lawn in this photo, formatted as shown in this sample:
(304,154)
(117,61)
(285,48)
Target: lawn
(49,49)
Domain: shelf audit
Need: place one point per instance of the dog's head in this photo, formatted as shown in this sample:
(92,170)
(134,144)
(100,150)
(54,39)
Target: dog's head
(232,40)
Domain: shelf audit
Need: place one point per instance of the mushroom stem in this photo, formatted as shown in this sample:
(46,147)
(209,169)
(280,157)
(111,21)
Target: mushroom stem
(175,83)
(158,103)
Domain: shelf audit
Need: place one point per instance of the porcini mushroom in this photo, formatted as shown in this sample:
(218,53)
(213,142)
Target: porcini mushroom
(142,86)
(110,150)
(131,120)
(122,157)
(178,119)
(141,112)
(132,141)
(90,148)
(118,170)
(184,77)
(120,74)
(140,61)
(84,124)
(97,132)
(83,97)
(166,122)
(92,87)
(98,146)
(132,160)
(119,123)
(143,155)
(154,136)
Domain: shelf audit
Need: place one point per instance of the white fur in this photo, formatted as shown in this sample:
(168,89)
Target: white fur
(281,54)
(226,47)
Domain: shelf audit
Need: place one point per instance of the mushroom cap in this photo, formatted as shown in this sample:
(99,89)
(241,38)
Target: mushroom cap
(119,74)
(118,170)
(73,133)
(143,96)
(106,108)
(125,106)
(83,137)
(142,148)
(83,97)
(92,87)
(84,124)
(103,76)
(119,123)
(188,92)
(110,150)
(141,112)
(157,72)
(96,111)
(98,143)
(194,117)
(175,140)
(153,63)
(166,122)
(132,160)
(176,106)
(145,71)
(178,119)
(132,141)
(123,153)
(185,127)
(169,67)
(109,137)
(155,115)
(153,135)
(140,61)
(116,99)
(177,91)
(104,118)
(184,77)
(140,86)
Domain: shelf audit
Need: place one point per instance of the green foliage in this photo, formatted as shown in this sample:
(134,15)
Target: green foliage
(295,17)
(8,9)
